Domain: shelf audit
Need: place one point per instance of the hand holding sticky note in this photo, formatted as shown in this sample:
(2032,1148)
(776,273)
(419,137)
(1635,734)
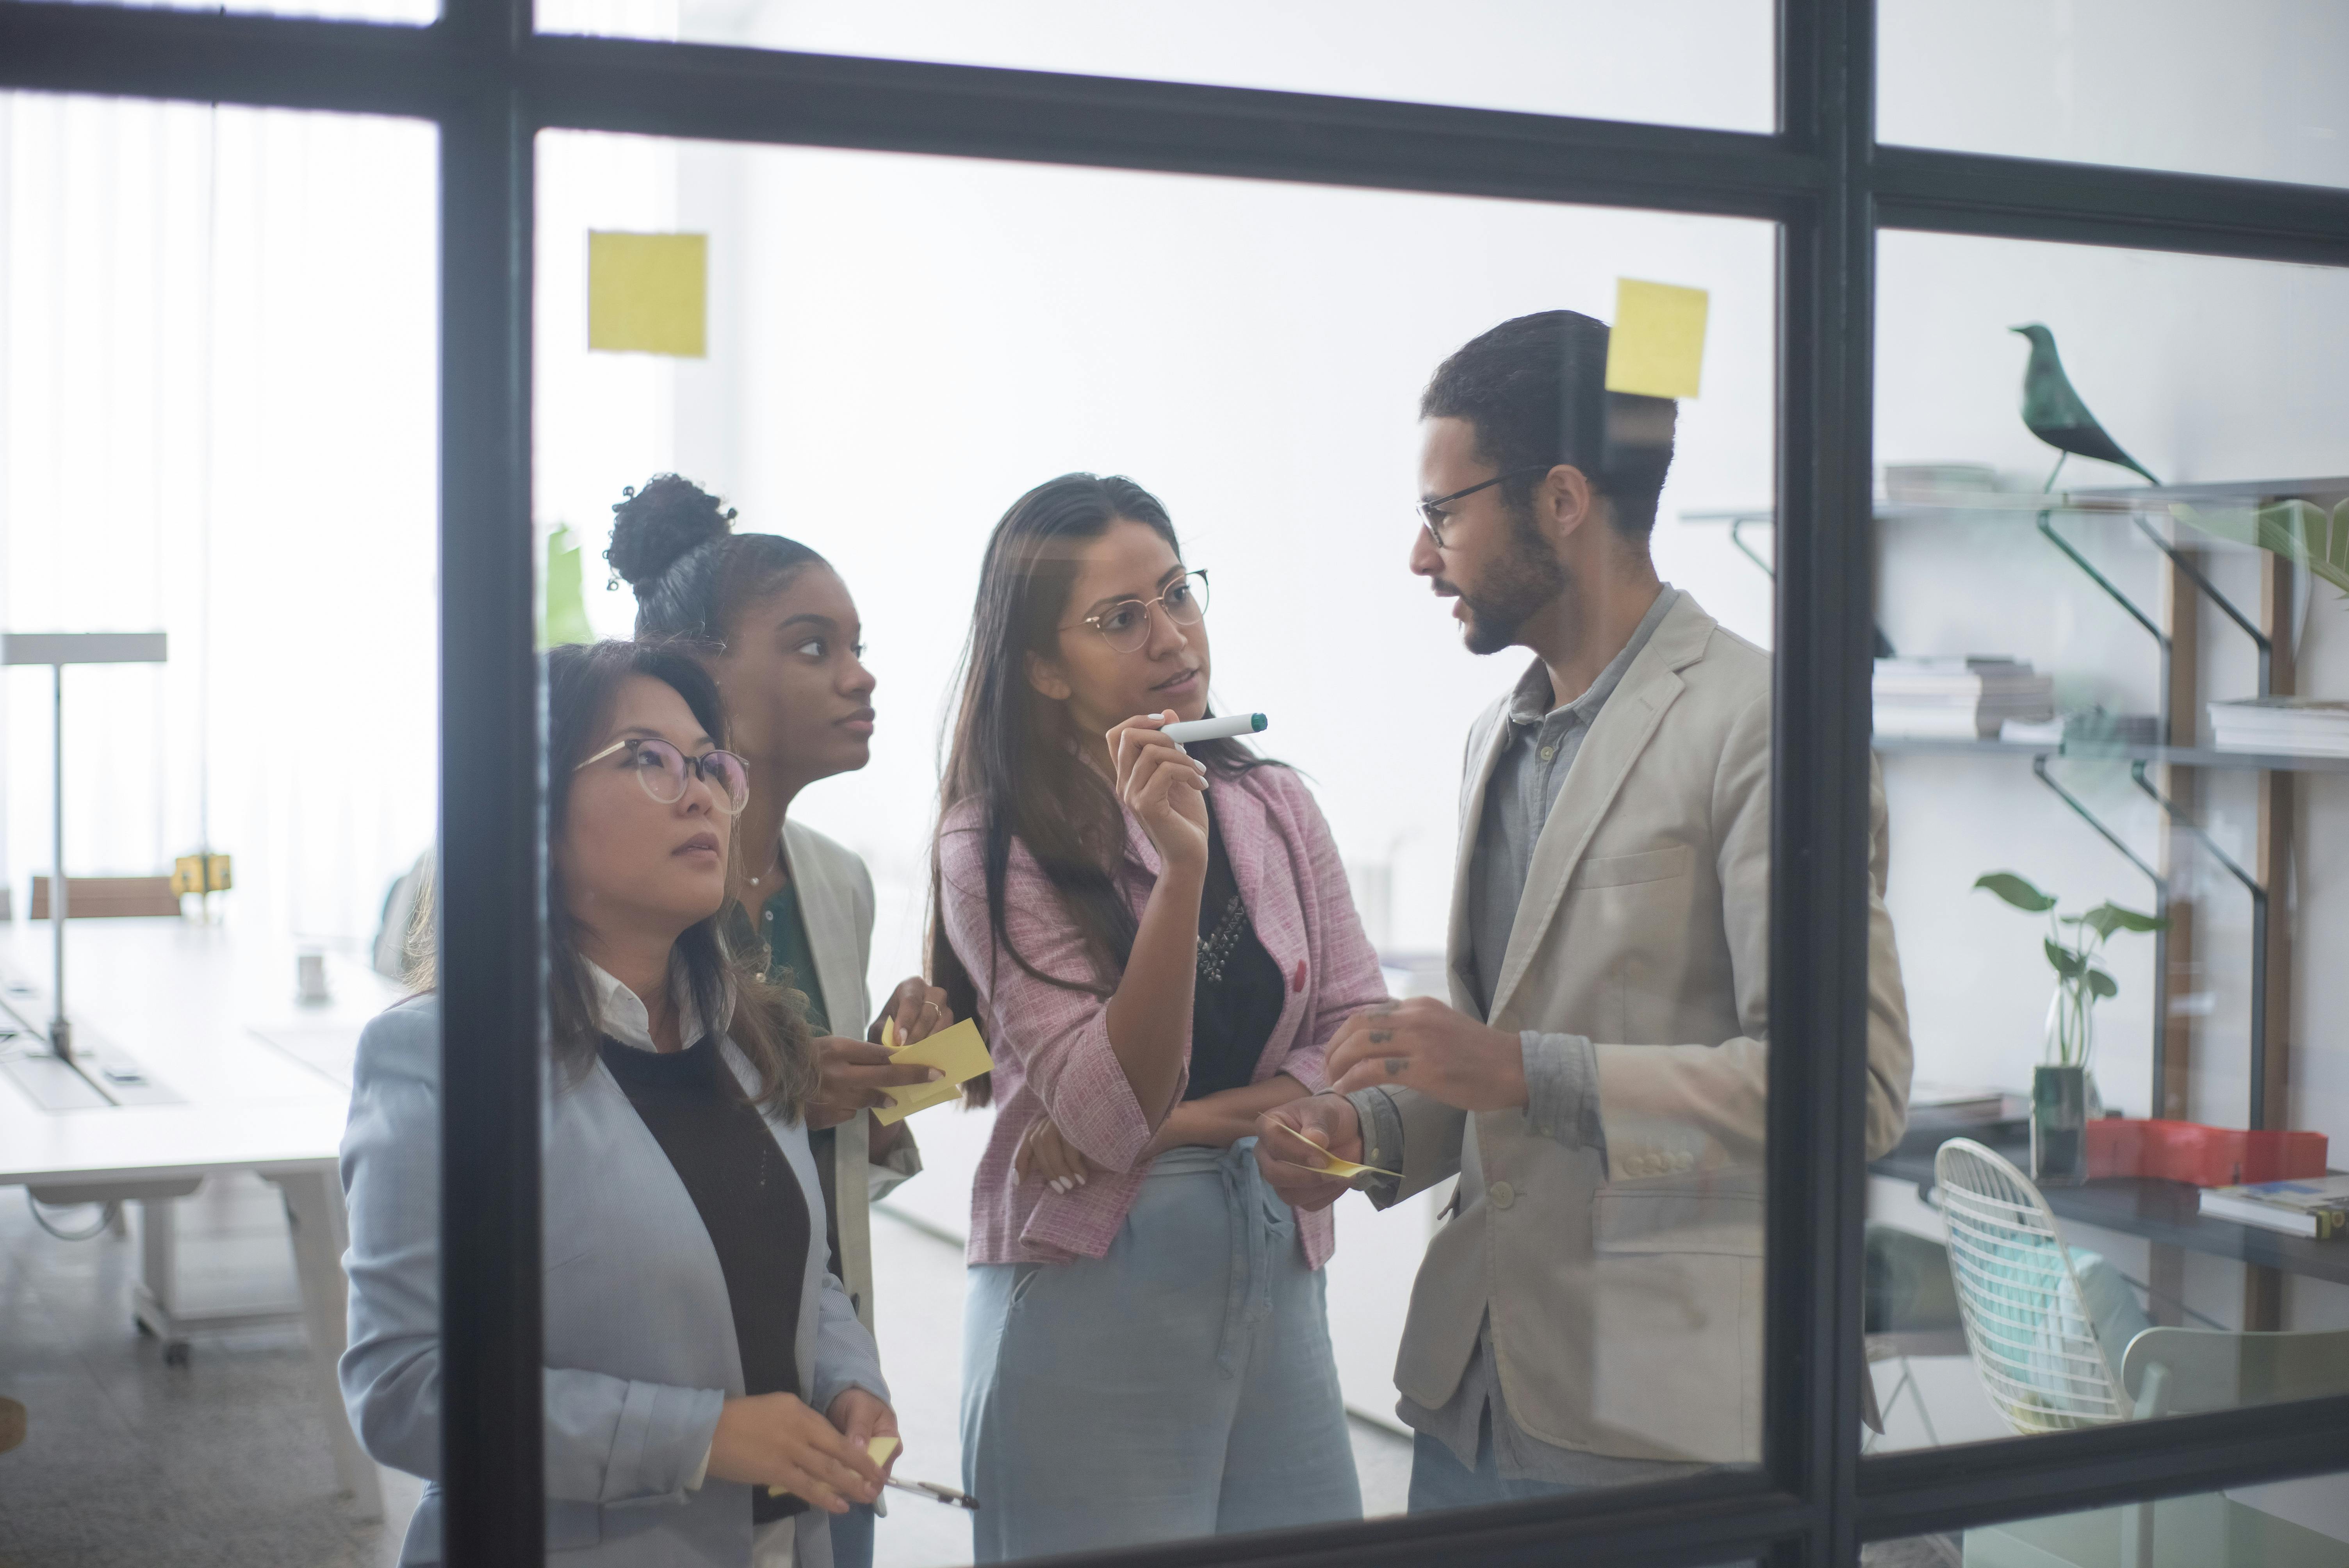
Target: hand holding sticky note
(1329,1164)
(959,1053)
(1656,348)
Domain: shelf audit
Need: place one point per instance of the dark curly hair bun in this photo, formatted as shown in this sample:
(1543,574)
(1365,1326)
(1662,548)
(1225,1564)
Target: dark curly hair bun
(653,527)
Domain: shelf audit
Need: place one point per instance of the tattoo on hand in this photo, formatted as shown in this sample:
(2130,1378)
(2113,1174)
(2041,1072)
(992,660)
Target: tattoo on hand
(1395,1065)
(1380,1037)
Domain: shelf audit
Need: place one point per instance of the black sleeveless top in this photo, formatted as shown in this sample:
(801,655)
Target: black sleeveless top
(750,1202)
(1237,992)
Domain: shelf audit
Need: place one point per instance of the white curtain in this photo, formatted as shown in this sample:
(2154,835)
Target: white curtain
(217,412)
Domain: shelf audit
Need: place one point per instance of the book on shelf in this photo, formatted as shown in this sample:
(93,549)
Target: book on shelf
(1956,1102)
(2305,725)
(1964,697)
(2314,1206)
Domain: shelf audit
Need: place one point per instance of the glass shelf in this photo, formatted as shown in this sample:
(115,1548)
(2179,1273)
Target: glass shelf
(2176,756)
(2119,500)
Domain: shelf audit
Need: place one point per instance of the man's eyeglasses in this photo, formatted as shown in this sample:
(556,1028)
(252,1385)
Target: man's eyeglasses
(1433,516)
(1125,626)
(663,770)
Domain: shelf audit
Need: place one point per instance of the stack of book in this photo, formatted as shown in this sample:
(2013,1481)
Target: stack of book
(2308,725)
(2314,1206)
(1963,698)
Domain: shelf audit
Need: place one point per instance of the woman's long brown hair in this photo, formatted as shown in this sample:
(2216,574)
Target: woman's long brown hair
(1014,754)
(583,681)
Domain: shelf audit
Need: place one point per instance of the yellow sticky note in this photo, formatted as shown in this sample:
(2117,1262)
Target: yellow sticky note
(959,1052)
(883,1448)
(648,294)
(1656,346)
(1329,1164)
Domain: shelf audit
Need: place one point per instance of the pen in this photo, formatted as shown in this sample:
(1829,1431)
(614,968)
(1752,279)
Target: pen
(935,1492)
(1223,728)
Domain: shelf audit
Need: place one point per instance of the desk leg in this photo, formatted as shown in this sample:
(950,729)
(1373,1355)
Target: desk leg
(314,1208)
(155,1305)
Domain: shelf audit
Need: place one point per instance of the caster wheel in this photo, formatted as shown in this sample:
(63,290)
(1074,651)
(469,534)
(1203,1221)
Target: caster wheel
(176,1353)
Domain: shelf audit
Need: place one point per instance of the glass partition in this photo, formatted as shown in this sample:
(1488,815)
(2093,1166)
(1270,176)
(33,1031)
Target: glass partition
(2111,541)
(2240,89)
(1095,1309)
(1688,62)
(217,590)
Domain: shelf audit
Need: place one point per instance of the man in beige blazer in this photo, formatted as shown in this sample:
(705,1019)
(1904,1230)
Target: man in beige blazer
(1590,1310)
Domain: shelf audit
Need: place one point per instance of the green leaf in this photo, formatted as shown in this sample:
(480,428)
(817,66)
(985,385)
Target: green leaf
(2292,528)
(2067,962)
(2102,984)
(2016,892)
(2107,918)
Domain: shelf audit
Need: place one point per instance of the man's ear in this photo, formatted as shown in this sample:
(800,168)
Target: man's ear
(1045,676)
(1563,503)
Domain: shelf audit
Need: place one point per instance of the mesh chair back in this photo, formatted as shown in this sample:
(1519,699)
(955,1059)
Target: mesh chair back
(2033,1342)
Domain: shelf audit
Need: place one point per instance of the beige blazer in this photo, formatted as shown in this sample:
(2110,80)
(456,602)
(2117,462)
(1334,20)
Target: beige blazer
(1626,1297)
(836,905)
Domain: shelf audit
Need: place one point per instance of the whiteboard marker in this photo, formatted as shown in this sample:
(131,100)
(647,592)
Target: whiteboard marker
(1214,728)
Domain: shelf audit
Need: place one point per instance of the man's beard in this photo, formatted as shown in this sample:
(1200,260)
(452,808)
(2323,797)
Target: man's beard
(1524,581)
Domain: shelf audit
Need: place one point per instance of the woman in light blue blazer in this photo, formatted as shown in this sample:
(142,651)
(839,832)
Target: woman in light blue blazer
(699,1352)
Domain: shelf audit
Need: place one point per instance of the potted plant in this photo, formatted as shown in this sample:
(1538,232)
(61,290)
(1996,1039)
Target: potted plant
(2062,1085)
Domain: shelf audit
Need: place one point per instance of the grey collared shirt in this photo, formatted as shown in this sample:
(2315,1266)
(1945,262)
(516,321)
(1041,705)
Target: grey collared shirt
(1536,760)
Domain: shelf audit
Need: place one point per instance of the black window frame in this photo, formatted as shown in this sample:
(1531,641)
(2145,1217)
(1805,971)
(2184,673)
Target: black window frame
(491,83)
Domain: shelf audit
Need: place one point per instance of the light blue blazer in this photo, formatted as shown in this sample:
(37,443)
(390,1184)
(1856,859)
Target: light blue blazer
(640,1351)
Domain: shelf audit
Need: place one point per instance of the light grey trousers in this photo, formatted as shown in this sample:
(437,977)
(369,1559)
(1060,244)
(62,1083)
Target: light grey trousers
(1181,1385)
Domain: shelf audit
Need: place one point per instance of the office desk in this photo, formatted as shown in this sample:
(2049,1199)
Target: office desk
(2166,1212)
(184,1002)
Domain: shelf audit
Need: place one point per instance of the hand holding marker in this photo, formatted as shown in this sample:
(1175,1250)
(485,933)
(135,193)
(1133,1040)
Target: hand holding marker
(1223,729)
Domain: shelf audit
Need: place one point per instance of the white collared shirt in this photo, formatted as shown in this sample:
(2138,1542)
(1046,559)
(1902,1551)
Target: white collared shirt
(622,1012)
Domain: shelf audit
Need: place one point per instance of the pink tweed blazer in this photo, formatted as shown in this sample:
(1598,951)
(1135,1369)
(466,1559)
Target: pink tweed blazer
(1051,1048)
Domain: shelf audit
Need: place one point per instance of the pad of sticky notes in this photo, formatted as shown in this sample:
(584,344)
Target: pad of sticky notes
(1329,1164)
(957,1052)
(648,294)
(883,1448)
(1656,346)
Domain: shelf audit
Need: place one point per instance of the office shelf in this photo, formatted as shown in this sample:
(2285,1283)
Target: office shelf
(2169,755)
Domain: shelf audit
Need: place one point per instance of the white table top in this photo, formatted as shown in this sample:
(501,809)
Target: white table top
(197,1006)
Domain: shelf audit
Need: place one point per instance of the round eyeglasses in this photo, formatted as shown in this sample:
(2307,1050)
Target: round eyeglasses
(1125,626)
(1433,516)
(663,770)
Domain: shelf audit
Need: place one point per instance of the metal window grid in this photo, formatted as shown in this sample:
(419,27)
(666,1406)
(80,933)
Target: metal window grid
(491,84)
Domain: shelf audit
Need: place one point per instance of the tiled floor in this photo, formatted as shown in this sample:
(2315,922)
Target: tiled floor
(225,1461)
(220,1462)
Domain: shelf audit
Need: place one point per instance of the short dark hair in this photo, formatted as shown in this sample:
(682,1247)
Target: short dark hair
(1535,390)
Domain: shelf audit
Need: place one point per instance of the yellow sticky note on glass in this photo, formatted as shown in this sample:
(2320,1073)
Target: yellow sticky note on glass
(1656,346)
(1329,1164)
(959,1052)
(648,294)
(882,1449)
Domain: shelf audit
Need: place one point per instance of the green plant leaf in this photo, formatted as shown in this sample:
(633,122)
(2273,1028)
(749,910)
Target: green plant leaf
(2016,892)
(2067,962)
(2107,918)
(2102,984)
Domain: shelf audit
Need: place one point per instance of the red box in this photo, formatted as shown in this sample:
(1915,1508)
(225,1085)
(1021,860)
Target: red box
(2205,1156)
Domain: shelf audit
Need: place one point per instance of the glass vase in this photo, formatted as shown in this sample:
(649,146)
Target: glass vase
(2059,1126)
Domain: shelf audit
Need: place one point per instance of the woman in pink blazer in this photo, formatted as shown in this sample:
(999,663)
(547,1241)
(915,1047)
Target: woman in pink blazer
(1158,944)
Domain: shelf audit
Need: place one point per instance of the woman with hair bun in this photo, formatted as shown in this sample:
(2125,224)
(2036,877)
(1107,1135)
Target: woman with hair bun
(774,626)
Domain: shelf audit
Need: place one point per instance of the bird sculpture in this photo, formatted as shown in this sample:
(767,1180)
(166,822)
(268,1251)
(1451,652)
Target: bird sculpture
(2054,412)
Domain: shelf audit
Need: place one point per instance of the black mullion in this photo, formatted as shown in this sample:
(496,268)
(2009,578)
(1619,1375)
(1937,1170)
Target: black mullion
(901,106)
(351,67)
(2063,1472)
(493,1413)
(1819,789)
(2033,198)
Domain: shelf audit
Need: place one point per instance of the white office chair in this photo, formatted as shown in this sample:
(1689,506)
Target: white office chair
(2027,1321)
(2034,1335)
